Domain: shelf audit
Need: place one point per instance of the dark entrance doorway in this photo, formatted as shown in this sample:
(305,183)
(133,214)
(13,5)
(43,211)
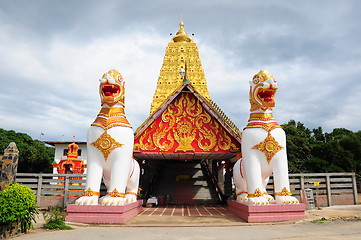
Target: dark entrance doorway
(180,182)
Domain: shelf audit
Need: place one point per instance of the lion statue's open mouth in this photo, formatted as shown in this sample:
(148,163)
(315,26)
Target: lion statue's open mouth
(267,95)
(111,90)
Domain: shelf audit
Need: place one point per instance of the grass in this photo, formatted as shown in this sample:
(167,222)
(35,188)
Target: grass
(55,219)
(321,220)
(60,225)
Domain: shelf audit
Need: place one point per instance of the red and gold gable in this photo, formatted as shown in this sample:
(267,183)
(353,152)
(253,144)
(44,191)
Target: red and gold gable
(185,126)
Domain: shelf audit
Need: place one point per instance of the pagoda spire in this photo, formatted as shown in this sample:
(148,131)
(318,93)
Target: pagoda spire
(181,64)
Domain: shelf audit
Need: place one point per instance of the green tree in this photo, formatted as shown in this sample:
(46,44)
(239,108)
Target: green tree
(350,142)
(318,135)
(317,151)
(337,134)
(332,156)
(298,145)
(34,156)
(338,151)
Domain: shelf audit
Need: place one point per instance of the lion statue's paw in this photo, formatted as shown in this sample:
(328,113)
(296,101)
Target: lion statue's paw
(112,201)
(286,200)
(258,201)
(130,198)
(87,200)
(242,197)
(268,197)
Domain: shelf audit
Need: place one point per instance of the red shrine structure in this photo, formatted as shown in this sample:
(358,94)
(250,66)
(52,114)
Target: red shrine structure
(72,164)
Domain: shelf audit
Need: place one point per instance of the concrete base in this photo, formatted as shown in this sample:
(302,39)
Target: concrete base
(266,213)
(103,214)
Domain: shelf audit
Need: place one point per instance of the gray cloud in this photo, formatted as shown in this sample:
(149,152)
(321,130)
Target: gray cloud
(53,52)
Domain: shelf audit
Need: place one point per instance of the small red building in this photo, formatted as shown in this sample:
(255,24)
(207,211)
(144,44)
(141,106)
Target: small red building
(72,164)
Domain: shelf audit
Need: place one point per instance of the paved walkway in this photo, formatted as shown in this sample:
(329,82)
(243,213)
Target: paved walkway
(340,222)
(186,211)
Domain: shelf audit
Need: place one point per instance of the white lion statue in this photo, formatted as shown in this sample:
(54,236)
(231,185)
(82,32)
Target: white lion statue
(110,143)
(263,149)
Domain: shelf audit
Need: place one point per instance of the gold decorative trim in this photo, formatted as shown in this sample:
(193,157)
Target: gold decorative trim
(261,117)
(107,123)
(111,112)
(269,147)
(90,193)
(106,144)
(111,117)
(133,193)
(241,193)
(257,193)
(283,193)
(115,193)
(266,126)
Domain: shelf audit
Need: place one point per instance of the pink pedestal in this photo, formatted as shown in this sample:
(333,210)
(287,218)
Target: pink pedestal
(267,213)
(103,214)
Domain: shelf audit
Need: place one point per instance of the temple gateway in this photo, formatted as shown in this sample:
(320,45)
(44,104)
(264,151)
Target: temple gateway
(187,143)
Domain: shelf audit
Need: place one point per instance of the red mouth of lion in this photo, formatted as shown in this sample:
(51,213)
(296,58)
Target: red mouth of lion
(267,95)
(110,90)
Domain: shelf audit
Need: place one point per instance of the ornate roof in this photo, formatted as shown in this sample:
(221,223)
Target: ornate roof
(189,126)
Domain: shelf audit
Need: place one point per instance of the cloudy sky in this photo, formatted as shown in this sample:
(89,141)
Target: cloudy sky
(53,53)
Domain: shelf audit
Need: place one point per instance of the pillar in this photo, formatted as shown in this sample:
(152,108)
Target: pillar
(9,165)
(215,169)
(228,179)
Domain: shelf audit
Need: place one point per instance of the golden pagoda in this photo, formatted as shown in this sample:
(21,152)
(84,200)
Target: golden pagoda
(181,63)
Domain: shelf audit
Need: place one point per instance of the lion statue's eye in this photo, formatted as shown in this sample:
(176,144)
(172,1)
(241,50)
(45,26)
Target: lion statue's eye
(111,80)
(256,80)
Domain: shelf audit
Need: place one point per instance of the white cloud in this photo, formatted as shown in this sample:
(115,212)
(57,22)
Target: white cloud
(52,62)
(69,77)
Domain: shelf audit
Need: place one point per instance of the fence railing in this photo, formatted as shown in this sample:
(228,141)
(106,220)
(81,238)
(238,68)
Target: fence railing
(53,189)
(332,189)
(64,189)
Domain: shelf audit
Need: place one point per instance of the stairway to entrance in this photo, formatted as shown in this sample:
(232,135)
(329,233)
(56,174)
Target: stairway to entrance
(184,183)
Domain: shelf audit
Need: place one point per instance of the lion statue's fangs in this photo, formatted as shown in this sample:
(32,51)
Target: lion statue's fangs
(110,142)
(263,149)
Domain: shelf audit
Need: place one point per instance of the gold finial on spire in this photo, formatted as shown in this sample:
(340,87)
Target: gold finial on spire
(181,24)
(181,35)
